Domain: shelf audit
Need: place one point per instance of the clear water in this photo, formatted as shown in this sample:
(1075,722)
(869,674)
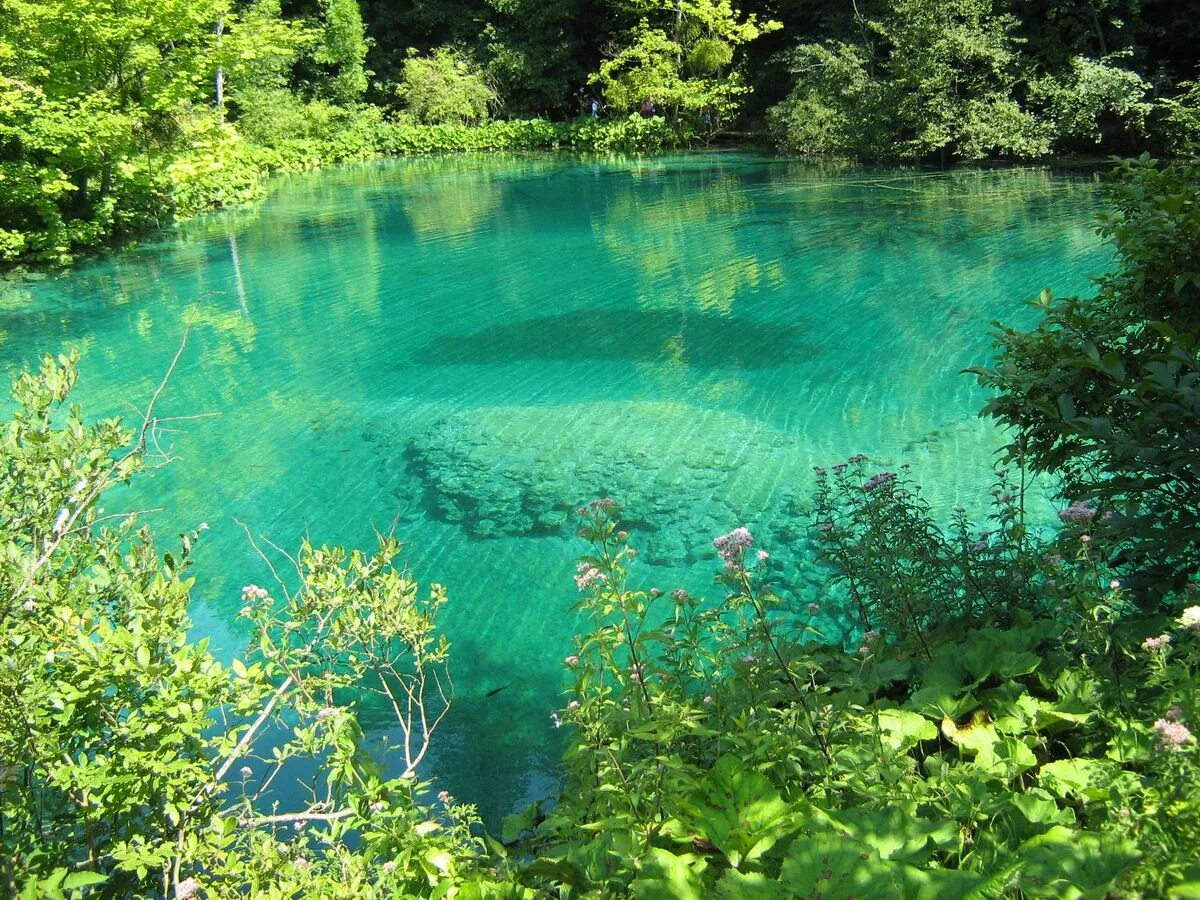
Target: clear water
(470,347)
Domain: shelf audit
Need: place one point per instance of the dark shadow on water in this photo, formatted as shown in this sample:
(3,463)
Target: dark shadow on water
(694,339)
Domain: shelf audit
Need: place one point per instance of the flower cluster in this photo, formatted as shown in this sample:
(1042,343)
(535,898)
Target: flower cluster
(1078,511)
(1154,644)
(731,547)
(1190,617)
(882,479)
(1172,735)
(586,575)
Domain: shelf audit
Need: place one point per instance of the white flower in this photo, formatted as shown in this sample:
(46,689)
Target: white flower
(1190,617)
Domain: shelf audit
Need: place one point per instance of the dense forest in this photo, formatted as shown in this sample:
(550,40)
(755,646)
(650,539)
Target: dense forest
(116,117)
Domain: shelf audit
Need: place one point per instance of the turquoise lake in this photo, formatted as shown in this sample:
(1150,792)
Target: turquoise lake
(470,347)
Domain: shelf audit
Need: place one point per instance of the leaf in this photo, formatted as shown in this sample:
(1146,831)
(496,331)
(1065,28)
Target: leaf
(1087,779)
(1039,808)
(670,877)
(837,868)
(82,879)
(735,885)
(901,729)
(738,811)
(1066,407)
(1064,858)
(896,832)
(519,823)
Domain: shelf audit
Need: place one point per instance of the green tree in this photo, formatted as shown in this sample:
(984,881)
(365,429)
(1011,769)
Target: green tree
(87,97)
(343,50)
(929,77)
(444,88)
(681,57)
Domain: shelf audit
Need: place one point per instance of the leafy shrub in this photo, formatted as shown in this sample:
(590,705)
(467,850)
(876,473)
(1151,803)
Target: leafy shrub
(927,78)
(1179,121)
(1017,739)
(1077,104)
(444,88)
(133,759)
(1103,391)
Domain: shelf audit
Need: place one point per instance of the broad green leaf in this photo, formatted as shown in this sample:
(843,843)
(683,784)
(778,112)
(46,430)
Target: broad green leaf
(1065,862)
(665,876)
(735,885)
(737,810)
(837,868)
(82,879)
(1086,779)
(901,729)
(896,832)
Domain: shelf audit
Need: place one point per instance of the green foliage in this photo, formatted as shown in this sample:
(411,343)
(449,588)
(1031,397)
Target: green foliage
(927,78)
(1180,121)
(632,135)
(1076,104)
(343,48)
(444,88)
(679,57)
(1012,737)
(131,758)
(1103,391)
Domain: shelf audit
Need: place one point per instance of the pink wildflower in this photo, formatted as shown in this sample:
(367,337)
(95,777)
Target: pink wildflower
(1078,511)
(1171,735)
(586,575)
(882,479)
(1154,644)
(731,547)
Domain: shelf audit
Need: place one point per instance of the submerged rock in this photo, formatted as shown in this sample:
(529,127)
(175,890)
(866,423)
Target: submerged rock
(680,473)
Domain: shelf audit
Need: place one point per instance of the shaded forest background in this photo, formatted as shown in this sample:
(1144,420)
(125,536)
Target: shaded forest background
(117,117)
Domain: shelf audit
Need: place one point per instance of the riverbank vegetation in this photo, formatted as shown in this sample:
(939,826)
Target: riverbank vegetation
(116,120)
(1006,709)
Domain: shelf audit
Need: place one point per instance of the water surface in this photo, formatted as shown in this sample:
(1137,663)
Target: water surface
(467,348)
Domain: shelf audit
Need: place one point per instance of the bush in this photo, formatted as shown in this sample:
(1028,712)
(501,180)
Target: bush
(133,759)
(1179,121)
(1103,391)
(998,719)
(444,88)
